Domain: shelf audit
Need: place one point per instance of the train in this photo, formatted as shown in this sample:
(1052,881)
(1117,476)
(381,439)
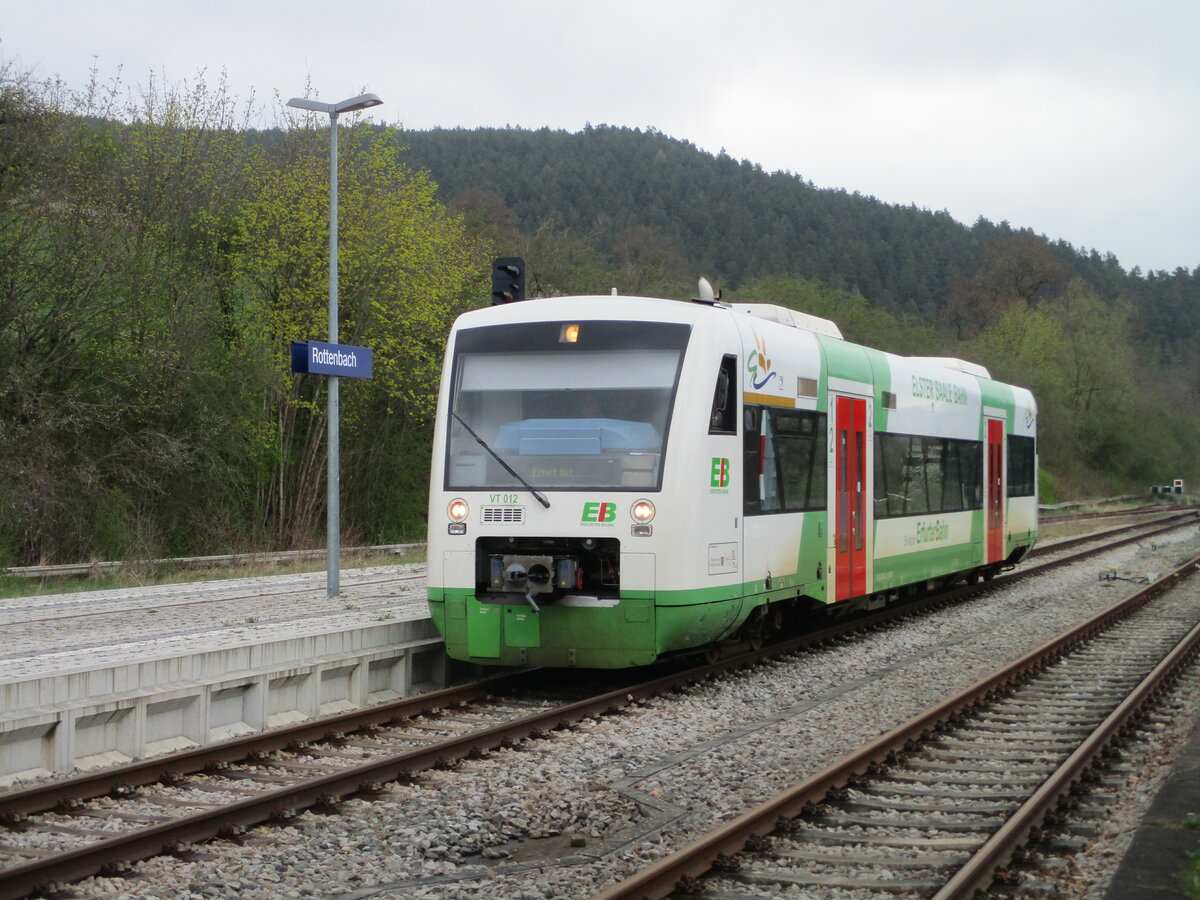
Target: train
(617,480)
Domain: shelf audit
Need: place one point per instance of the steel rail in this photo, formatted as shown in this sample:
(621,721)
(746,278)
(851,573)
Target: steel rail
(86,786)
(697,858)
(996,852)
(40,874)
(1043,549)
(160,604)
(69,570)
(20,880)
(43,797)
(1110,514)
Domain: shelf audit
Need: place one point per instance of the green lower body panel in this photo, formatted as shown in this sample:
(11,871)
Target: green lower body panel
(634,632)
(684,627)
(601,637)
(912,568)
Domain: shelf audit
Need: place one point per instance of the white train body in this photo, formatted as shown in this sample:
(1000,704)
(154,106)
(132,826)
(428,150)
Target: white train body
(703,466)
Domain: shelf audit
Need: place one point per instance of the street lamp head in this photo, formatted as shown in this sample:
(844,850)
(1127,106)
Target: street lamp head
(362,101)
(311,105)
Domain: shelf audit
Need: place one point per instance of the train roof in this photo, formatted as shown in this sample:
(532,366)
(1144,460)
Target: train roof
(792,317)
(950,362)
(654,307)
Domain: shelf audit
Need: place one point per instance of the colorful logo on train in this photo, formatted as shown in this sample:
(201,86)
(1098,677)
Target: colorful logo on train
(597,512)
(720,473)
(758,365)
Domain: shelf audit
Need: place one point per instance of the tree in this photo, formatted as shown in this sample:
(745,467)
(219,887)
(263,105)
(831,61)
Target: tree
(1016,267)
(855,317)
(109,245)
(406,269)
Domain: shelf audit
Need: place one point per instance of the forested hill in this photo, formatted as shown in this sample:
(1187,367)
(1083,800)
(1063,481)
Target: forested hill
(158,256)
(733,221)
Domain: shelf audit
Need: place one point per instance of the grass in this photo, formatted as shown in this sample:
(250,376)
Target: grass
(1046,489)
(1189,878)
(142,575)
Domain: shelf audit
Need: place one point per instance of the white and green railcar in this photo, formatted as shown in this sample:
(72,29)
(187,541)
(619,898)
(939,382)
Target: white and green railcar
(616,478)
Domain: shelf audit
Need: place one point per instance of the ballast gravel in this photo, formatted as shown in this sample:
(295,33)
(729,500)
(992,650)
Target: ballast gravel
(568,815)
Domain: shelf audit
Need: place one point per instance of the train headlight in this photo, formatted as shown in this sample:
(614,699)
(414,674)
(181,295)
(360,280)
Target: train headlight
(458,510)
(642,511)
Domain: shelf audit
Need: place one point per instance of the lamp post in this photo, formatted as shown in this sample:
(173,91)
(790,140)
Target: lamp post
(333,516)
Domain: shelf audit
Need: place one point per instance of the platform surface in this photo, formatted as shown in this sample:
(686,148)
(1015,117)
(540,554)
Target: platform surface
(56,634)
(102,677)
(1152,866)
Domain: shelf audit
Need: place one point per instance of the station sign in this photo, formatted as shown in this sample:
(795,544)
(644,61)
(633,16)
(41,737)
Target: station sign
(343,360)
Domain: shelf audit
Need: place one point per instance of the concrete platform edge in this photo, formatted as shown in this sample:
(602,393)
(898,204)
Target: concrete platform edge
(84,719)
(1158,855)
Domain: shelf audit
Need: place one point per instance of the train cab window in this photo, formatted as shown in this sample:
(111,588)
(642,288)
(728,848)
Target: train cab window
(591,412)
(723,418)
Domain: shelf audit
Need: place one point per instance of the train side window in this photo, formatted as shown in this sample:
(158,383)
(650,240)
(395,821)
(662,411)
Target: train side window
(916,484)
(881,479)
(769,486)
(723,418)
(971,454)
(751,460)
(918,475)
(1022,466)
(799,439)
(952,485)
(784,460)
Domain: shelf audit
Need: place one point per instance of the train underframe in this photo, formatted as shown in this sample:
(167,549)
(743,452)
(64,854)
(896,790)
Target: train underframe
(559,602)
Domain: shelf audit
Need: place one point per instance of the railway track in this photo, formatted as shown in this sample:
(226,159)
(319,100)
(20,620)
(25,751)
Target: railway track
(1130,533)
(111,818)
(69,829)
(1148,509)
(939,806)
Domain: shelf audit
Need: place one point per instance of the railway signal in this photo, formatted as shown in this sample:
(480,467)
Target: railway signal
(508,280)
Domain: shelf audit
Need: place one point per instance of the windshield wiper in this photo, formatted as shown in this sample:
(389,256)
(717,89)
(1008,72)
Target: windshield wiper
(541,498)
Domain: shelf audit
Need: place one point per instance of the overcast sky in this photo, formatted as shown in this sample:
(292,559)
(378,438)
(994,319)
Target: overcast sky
(1079,119)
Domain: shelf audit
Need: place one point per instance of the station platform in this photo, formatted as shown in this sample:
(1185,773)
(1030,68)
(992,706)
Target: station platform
(97,678)
(1155,861)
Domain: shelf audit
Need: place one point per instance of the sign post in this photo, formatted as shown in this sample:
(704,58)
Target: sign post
(333,528)
(333,361)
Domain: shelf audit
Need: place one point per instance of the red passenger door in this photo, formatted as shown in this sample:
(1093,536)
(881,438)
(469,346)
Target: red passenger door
(995,490)
(850,480)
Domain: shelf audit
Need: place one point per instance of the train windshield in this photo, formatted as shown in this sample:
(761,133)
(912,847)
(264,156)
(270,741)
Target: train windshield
(568,405)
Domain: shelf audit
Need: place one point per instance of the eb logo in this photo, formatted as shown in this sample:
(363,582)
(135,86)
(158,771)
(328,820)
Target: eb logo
(599,513)
(720,473)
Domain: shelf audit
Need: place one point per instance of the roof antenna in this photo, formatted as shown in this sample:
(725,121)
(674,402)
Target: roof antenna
(707,295)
